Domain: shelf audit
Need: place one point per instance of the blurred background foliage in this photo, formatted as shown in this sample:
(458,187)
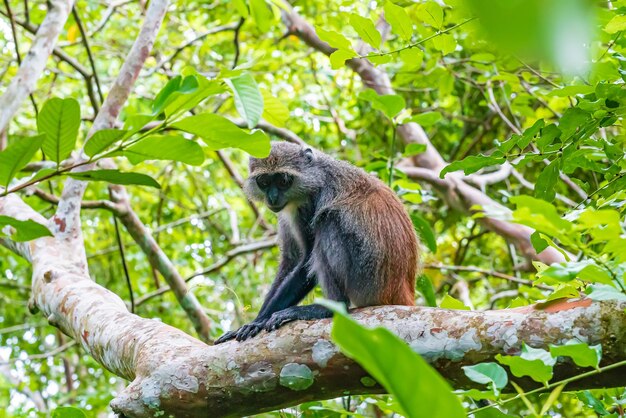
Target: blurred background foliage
(471,88)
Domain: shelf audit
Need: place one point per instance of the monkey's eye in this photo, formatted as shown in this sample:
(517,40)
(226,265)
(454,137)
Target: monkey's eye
(283,181)
(263,181)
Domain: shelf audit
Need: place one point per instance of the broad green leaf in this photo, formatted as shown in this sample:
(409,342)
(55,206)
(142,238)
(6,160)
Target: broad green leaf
(616,24)
(274,111)
(218,132)
(471,164)
(532,362)
(102,139)
(366,29)
(248,98)
(430,13)
(158,104)
(59,119)
(487,373)
(334,39)
(582,354)
(602,292)
(400,370)
(116,177)
(448,302)
(492,412)
(413,149)
(546,181)
(165,147)
(424,231)
(539,244)
(16,156)
(593,402)
(540,215)
(444,43)
(399,20)
(135,123)
(241,7)
(187,98)
(261,14)
(68,412)
(425,287)
(389,104)
(339,57)
(564,291)
(426,118)
(24,230)
(565,271)
(412,58)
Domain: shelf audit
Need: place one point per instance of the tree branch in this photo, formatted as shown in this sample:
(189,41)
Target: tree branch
(24,82)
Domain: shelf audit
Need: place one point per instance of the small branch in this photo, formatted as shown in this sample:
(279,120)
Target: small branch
(230,255)
(485,272)
(282,133)
(85,204)
(42,356)
(85,41)
(236,41)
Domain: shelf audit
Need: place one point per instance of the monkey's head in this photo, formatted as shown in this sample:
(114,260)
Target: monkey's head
(289,175)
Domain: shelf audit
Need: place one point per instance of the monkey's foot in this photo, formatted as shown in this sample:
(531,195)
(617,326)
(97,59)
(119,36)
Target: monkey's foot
(243,333)
(294,313)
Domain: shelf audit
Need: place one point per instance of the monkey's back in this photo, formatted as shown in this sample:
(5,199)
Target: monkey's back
(382,243)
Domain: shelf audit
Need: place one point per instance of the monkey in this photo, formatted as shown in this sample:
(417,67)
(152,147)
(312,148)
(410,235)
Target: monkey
(338,227)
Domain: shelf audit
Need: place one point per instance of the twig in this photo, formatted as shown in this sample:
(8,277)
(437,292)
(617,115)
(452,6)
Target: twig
(236,41)
(413,45)
(85,41)
(491,273)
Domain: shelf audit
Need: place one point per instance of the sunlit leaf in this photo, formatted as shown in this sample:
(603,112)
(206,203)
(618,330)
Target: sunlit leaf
(582,354)
(399,20)
(116,177)
(24,230)
(102,139)
(17,155)
(248,98)
(165,147)
(366,29)
(59,120)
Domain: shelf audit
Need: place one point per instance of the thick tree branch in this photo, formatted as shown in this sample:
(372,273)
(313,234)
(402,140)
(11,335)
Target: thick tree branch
(458,193)
(24,82)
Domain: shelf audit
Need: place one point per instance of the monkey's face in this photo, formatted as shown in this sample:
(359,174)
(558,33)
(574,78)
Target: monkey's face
(287,175)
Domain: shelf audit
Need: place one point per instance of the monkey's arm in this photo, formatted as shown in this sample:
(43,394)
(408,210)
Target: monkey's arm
(290,286)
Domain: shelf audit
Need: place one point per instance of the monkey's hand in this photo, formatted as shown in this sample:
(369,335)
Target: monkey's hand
(280,318)
(243,333)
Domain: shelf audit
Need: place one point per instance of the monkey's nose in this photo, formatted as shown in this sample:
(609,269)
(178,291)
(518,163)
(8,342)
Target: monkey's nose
(272,197)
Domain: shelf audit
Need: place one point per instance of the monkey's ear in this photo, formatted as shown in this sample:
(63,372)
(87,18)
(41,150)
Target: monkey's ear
(308,154)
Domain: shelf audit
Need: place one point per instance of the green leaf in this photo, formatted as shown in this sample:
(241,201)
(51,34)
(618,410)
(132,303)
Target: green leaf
(617,24)
(563,291)
(389,104)
(533,362)
(601,292)
(296,376)
(334,39)
(546,181)
(444,43)
(487,373)
(471,164)
(399,20)
(24,230)
(425,287)
(540,215)
(158,104)
(413,149)
(248,98)
(261,14)
(400,370)
(116,177)
(165,147)
(424,231)
(339,57)
(102,139)
(426,118)
(431,14)
(68,412)
(582,354)
(566,271)
(366,29)
(241,7)
(412,58)
(218,132)
(448,302)
(16,156)
(59,119)
(274,111)
(539,244)
(187,98)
